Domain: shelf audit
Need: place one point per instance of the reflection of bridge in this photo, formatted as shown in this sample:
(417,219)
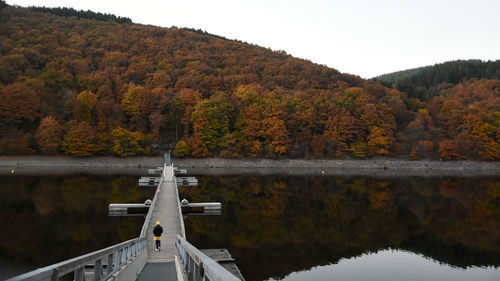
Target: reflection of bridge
(137,259)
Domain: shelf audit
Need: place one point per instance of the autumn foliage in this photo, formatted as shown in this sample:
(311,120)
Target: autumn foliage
(126,143)
(48,135)
(449,150)
(18,102)
(80,140)
(85,87)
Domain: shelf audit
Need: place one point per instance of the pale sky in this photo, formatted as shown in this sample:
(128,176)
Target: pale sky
(362,37)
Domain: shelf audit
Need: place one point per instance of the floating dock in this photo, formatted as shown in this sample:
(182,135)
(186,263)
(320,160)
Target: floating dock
(149,181)
(186,181)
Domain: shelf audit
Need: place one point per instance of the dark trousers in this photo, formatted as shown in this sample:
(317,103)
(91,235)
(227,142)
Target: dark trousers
(158,243)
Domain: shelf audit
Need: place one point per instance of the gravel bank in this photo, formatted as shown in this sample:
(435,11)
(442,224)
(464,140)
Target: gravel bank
(372,167)
(62,165)
(219,166)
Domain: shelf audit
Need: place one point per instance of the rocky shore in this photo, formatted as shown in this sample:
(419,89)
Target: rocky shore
(220,166)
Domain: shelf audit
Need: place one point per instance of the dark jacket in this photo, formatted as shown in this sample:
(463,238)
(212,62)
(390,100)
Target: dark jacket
(157,230)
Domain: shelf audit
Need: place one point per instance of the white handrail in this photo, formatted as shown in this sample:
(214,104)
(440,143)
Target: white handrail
(153,204)
(183,231)
(198,265)
(117,256)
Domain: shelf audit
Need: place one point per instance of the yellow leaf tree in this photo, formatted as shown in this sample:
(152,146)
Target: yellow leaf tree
(126,143)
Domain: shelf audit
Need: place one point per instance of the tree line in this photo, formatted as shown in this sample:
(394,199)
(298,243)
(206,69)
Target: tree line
(85,87)
(426,82)
(70,12)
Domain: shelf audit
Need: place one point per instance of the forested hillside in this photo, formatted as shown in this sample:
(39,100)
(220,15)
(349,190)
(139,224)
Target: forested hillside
(425,82)
(78,86)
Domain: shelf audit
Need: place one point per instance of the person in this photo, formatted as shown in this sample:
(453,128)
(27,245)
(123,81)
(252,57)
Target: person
(157,231)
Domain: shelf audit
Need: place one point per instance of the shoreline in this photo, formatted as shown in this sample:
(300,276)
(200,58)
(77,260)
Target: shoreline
(50,165)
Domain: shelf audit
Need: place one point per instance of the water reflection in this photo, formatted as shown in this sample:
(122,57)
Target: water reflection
(44,220)
(392,265)
(277,225)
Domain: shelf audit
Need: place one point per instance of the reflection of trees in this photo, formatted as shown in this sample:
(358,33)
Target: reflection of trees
(64,217)
(277,225)
(45,197)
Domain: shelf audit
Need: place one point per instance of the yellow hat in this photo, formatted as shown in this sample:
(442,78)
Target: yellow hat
(158,223)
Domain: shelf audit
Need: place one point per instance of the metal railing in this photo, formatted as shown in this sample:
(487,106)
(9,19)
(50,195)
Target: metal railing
(199,266)
(153,204)
(181,218)
(167,158)
(115,257)
(195,264)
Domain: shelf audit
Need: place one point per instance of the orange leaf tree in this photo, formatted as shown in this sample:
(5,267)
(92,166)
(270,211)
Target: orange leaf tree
(48,135)
(80,140)
(448,149)
(318,146)
(19,102)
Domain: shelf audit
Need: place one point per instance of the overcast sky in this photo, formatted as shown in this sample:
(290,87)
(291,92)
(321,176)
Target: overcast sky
(362,37)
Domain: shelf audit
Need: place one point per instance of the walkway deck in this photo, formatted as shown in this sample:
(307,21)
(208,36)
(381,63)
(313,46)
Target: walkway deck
(167,212)
(158,271)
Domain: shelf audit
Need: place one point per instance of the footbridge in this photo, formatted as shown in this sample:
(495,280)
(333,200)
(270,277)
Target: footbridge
(137,259)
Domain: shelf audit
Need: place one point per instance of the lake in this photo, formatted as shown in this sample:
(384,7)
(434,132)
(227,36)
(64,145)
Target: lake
(44,220)
(276,227)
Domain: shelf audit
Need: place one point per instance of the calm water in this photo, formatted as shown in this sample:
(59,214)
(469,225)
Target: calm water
(44,220)
(353,228)
(277,228)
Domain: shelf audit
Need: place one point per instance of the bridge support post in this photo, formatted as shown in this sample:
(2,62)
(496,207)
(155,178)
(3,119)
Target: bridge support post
(79,274)
(124,255)
(134,249)
(98,270)
(190,268)
(118,258)
(110,264)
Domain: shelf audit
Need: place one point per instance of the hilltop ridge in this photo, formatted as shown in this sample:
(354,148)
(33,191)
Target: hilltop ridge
(422,81)
(83,86)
